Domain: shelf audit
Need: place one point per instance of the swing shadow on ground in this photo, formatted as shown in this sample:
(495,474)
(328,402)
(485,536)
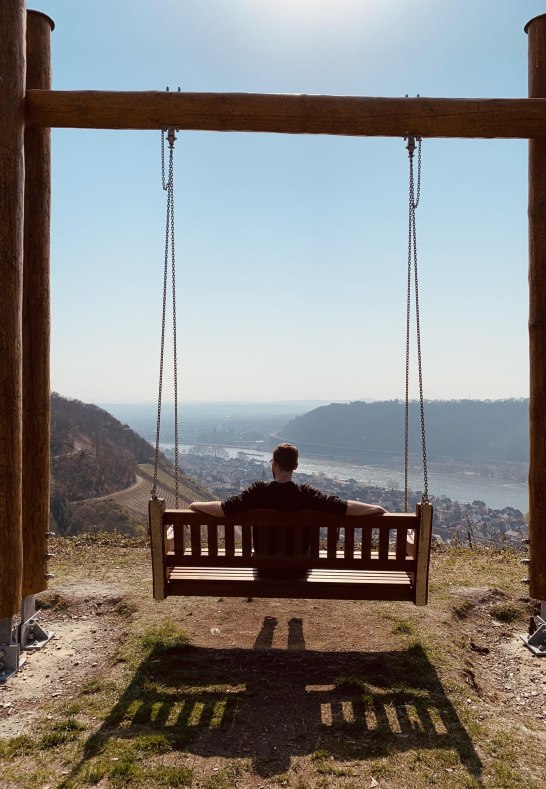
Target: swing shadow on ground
(270,705)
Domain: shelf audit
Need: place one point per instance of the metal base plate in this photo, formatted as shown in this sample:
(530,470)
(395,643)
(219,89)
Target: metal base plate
(536,642)
(33,636)
(11,660)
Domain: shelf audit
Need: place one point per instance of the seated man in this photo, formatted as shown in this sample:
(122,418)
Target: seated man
(283,494)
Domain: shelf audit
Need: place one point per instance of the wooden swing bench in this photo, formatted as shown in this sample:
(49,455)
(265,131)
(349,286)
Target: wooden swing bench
(322,556)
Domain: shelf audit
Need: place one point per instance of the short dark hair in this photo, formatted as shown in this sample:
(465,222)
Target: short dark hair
(286,455)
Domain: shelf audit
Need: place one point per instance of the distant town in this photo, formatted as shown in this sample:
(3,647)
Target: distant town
(455,523)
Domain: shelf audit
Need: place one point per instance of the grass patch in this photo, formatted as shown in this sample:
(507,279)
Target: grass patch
(507,613)
(163,639)
(97,685)
(127,772)
(324,764)
(351,685)
(463,610)
(460,567)
(16,746)
(61,732)
(403,628)
(125,762)
(71,708)
(172,776)
(173,695)
(224,779)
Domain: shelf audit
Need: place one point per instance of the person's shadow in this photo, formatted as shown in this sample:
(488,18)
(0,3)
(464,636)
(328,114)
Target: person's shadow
(264,639)
(270,704)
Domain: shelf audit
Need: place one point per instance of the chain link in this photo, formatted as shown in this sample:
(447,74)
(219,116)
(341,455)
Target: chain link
(412,268)
(175,361)
(168,186)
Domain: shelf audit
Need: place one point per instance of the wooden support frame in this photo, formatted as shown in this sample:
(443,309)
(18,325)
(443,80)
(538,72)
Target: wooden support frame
(340,115)
(423,553)
(536,30)
(12,92)
(288,114)
(156,508)
(36,318)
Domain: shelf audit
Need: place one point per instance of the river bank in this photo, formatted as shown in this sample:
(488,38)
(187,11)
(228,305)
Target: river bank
(496,493)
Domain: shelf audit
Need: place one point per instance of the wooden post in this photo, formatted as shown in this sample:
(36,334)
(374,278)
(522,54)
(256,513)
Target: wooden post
(156,508)
(12,92)
(536,30)
(424,511)
(36,317)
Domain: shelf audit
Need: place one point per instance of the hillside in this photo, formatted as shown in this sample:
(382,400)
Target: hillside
(467,430)
(225,693)
(102,472)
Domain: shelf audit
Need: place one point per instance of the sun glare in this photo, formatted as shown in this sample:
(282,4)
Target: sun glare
(316,11)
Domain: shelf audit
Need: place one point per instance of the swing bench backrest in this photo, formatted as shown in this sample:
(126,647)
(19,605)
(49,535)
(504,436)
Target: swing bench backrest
(304,555)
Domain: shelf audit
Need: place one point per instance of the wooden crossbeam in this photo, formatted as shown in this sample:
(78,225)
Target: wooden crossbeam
(288,114)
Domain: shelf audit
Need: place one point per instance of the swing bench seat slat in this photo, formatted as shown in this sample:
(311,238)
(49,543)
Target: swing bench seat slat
(315,585)
(301,555)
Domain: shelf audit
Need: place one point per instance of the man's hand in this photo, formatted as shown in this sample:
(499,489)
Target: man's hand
(356,508)
(208,507)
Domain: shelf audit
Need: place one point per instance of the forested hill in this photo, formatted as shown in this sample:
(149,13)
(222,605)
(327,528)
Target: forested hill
(488,431)
(92,453)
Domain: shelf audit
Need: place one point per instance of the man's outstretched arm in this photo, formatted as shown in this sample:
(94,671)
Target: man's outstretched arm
(361,508)
(208,507)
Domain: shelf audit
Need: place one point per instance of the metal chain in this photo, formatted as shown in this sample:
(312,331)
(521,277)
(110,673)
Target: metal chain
(412,264)
(163,184)
(410,146)
(418,197)
(175,361)
(168,186)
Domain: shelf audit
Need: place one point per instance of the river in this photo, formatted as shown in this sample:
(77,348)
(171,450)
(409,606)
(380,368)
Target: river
(496,492)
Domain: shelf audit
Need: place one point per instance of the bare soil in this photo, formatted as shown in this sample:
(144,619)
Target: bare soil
(314,693)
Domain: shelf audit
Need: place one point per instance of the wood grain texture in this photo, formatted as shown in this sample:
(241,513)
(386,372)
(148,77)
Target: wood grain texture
(288,113)
(36,317)
(12,90)
(537,320)
(156,508)
(424,540)
(318,585)
(340,570)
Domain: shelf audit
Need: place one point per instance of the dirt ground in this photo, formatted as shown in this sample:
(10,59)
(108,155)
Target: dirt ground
(289,655)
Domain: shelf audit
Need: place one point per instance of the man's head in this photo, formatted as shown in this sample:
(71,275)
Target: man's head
(286,457)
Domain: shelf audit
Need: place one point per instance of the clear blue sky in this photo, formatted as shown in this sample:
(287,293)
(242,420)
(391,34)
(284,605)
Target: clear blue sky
(291,251)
